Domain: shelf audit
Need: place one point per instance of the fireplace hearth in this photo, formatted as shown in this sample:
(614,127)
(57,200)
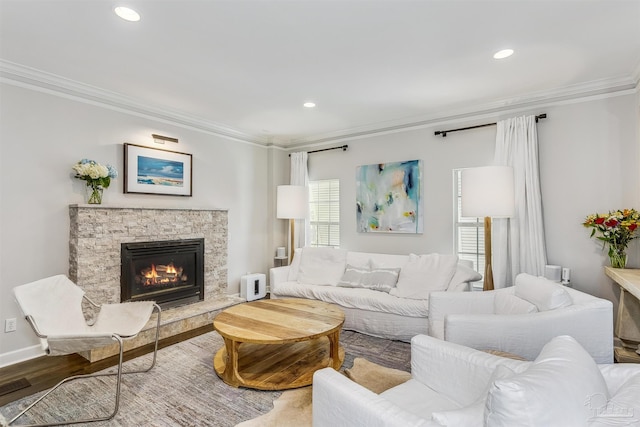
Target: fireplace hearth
(168,272)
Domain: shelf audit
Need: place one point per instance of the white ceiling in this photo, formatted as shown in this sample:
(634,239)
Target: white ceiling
(244,68)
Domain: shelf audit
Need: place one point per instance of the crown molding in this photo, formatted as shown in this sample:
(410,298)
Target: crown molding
(21,75)
(611,87)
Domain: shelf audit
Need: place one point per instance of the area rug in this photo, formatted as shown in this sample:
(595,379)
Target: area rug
(183,390)
(294,407)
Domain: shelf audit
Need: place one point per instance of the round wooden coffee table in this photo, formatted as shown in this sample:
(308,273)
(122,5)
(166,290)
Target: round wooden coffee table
(277,344)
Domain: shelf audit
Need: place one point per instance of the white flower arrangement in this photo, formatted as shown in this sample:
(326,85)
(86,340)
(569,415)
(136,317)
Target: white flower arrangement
(96,175)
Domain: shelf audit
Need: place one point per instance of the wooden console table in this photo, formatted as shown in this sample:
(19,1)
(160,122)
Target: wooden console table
(627,328)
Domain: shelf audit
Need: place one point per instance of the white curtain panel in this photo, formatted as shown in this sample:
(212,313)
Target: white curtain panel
(300,176)
(518,243)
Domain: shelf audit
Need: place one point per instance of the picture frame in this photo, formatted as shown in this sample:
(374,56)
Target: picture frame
(155,171)
(389,198)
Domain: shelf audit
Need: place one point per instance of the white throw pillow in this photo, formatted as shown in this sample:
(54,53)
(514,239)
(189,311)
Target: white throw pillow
(462,275)
(551,392)
(504,303)
(424,274)
(622,409)
(321,266)
(545,294)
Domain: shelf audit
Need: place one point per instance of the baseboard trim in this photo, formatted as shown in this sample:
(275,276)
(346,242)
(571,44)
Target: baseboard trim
(20,355)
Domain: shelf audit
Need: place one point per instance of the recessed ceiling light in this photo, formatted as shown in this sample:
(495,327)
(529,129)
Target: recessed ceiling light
(127,14)
(309,104)
(505,53)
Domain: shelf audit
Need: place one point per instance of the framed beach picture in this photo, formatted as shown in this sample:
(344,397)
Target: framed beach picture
(154,171)
(389,197)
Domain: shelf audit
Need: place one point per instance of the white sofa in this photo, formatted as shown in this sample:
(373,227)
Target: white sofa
(382,295)
(521,319)
(453,385)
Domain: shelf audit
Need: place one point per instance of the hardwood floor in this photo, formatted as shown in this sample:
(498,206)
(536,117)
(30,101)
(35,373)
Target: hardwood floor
(44,372)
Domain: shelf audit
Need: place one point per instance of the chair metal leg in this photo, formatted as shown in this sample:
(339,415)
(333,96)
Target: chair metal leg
(158,310)
(118,374)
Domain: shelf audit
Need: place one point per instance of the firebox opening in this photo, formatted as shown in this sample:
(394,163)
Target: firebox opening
(167,272)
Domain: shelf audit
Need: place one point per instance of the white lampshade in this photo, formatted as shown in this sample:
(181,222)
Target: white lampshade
(488,192)
(292,202)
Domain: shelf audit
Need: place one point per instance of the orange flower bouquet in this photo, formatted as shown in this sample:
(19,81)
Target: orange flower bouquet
(617,229)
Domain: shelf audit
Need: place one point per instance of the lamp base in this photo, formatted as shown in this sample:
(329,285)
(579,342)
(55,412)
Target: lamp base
(488,271)
(292,225)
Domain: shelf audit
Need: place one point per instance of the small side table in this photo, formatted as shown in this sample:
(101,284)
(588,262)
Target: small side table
(281,261)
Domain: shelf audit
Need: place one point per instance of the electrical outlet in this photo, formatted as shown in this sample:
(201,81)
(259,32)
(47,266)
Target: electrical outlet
(10,325)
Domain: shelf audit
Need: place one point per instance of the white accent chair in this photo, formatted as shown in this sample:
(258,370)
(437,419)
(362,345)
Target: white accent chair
(453,385)
(521,319)
(53,308)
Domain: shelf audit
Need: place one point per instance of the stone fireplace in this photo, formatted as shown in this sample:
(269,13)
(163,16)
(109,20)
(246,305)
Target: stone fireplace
(98,234)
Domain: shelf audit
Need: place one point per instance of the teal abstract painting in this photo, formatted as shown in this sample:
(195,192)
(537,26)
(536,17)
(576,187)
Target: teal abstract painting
(389,197)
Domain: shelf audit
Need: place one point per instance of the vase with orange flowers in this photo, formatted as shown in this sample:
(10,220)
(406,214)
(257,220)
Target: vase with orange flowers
(616,229)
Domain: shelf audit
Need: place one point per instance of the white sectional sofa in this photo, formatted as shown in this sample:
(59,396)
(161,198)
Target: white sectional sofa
(382,295)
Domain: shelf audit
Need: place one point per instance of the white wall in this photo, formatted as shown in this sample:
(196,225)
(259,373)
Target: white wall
(439,156)
(279,168)
(589,161)
(43,135)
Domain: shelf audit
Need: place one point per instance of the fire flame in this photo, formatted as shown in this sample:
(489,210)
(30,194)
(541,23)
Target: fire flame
(162,274)
(153,274)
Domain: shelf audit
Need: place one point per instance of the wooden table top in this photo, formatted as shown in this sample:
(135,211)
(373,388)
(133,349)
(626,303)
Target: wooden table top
(278,321)
(628,278)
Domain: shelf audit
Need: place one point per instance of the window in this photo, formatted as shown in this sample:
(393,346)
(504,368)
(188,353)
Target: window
(469,232)
(324,209)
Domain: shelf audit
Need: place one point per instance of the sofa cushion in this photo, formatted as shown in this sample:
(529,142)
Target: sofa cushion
(321,266)
(424,274)
(469,416)
(473,414)
(505,303)
(379,279)
(359,298)
(551,392)
(464,274)
(352,276)
(542,292)
(417,398)
(622,409)
(295,265)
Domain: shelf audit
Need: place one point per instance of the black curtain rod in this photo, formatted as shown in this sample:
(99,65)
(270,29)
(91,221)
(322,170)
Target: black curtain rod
(445,132)
(342,147)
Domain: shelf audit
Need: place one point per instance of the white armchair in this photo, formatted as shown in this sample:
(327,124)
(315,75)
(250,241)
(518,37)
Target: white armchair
(53,308)
(521,319)
(453,385)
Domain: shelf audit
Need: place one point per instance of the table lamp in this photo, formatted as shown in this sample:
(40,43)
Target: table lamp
(488,192)
(292,203)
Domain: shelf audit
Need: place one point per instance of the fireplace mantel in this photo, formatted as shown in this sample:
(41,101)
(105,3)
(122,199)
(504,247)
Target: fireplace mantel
(86,206)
